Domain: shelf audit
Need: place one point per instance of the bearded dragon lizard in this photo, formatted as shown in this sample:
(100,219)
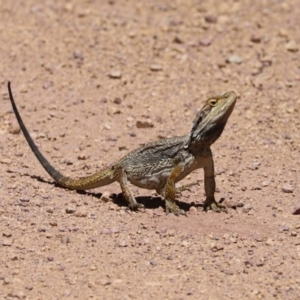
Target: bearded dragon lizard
(157,165)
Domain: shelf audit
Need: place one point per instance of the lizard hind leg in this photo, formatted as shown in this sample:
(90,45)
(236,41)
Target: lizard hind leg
(121,177)
(170,192)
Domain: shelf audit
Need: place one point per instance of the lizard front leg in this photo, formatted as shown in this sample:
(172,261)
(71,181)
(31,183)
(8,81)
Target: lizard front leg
(210,187)
(121,176)
(170,192)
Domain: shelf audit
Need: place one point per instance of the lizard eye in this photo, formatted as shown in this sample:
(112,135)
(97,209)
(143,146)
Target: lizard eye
(213,102)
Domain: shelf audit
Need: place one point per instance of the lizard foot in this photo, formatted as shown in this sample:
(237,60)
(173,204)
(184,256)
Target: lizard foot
(172,207)
(135,206)
(213,205)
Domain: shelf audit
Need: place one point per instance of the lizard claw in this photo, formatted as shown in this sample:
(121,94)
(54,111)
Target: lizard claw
(135,206)
(212,204)
(172,207)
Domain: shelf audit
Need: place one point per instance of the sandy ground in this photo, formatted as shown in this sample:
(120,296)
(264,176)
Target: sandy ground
(83,74)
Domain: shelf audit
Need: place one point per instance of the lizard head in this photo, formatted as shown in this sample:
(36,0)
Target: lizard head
(211,120)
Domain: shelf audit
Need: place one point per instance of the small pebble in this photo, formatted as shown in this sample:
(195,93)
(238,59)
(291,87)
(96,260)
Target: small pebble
(234,59)
(65,239)
(205,42)
(105,231)
(115,74)
(7,243)
(247,207)
(70,210)
(155,67)
(14,128)
(255,39)
(118,100)
(297,209)
(211,19)
(287,188)
(269,242)
(292,46)
(105,197)
(153,262)
(284,228)
(256,165)
(81,212)
(122,244)
(144,124)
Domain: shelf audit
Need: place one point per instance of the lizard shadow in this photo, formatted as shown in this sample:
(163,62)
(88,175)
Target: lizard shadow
(149,202)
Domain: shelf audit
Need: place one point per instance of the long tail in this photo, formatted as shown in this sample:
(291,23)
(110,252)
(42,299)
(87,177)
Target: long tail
(101,178)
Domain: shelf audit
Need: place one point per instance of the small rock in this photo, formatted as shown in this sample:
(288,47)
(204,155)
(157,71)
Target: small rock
(70,210)
(24,199)
(78,55)
(5,161)
(122,244)
(256,165)
(14,128)
(216,247)
(81,212)
(114,230)
(287,188)
(49,210)
(185,243)
(259,239)
(155,67)
(265,183)
(144,124)
(297,209)
(111,110)
(269,242)
(231,204)
(118,100)
(292,46)
(247,207)
(234,59)
(107,126)
(115,74)
(284,228)
(178,40)
(211,19)
(259,263)
(42,229)
(105,197)
(193,210)
(65,239)
(153,262)
(255,39)
(7,243)
(205,42)
(6,280)
(123,148)
(19,154)
(105,231)
(82,157)
(293,233)
(228,272)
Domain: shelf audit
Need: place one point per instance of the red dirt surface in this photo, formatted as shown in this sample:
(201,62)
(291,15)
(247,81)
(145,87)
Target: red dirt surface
(83,74)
